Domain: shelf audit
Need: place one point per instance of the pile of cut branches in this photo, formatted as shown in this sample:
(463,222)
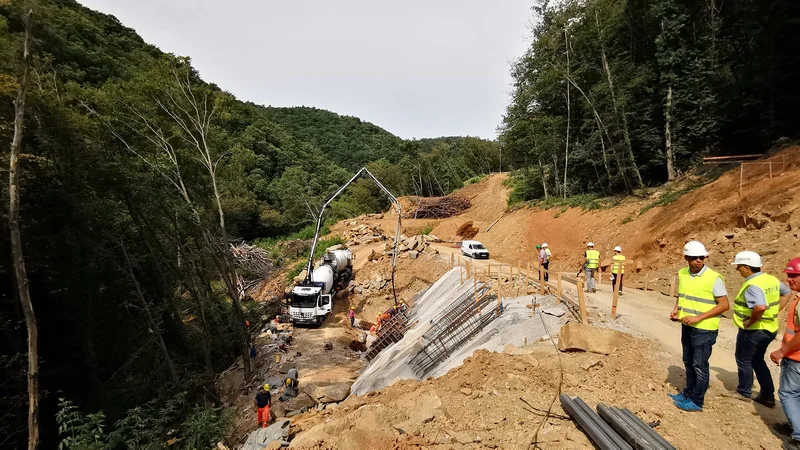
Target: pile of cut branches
(252,259)
(438,207)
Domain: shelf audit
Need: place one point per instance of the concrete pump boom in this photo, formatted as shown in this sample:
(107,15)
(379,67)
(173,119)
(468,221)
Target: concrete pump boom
(366,174)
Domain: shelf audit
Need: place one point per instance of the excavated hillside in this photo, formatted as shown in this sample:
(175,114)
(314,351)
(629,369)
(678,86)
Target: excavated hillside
(765,219)
(498,400)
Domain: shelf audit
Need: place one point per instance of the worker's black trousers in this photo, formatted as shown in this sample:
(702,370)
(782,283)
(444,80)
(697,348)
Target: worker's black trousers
(546,268)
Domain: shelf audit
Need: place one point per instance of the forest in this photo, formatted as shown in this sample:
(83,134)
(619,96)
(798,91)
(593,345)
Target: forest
(135,177)
(612,96)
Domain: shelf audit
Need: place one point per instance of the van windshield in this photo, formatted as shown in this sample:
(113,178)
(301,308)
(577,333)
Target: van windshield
(478,247)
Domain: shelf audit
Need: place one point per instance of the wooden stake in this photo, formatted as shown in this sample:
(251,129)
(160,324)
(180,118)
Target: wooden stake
(616,288)
(558,290)
(489,270)
(600,278)
(541,280)
(460,274)
(741,179)
(582,304)
(528,275)
(672,288)
(770,169)
(646,280)
(452,259)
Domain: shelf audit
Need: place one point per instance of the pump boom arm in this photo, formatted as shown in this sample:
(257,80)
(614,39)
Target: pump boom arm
(366,174)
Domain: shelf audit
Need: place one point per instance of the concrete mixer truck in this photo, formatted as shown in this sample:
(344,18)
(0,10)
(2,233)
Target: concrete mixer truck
(312,300)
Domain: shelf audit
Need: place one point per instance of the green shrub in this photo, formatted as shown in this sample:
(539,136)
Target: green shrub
(475,179)
(427,230)
(627,219)
(204,427)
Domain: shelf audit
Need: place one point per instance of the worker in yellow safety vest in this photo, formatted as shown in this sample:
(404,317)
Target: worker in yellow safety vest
(617,268)
(702,298)
(590,266)
(755,313)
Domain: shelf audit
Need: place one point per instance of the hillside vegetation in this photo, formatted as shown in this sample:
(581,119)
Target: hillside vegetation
(612,96)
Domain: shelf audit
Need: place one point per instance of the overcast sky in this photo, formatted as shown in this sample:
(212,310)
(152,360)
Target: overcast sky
(418,68)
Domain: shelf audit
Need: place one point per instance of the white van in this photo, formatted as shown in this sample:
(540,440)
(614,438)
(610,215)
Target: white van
(474,249)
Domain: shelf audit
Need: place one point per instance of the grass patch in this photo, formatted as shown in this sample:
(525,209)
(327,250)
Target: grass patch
(627,219)
(670,196)
(587,202)
(427,230)
(476,179)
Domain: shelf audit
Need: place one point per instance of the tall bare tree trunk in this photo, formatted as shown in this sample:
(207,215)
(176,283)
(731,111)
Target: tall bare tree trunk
(17,256)
(541,174)
(566,147)
(671,175)
(619,116)
(151,323)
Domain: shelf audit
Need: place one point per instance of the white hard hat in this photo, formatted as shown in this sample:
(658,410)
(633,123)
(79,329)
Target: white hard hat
(618,249)
(544,245)
(694,248)
(590,244)
(747,258)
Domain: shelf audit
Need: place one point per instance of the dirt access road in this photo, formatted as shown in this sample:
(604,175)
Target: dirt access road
(646,314)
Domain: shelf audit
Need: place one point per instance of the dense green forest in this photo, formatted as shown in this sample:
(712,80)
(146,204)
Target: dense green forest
(136,174)
(615,95)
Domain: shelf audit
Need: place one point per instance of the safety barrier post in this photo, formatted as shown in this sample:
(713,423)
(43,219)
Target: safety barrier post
(541,280)
(528,275)
(582,303)
(599,279)
(452,259)
(646,280)
(616,287)
(489,270)
(558,290)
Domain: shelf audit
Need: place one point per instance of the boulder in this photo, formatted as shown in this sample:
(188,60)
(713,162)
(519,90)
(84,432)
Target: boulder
(334,248)
(334,393)
(413,254)
(303,400)
(279,431)
(301,276)
(278,410)
(576,336)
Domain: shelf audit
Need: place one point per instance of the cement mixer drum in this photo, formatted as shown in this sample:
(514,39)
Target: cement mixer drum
(323,274)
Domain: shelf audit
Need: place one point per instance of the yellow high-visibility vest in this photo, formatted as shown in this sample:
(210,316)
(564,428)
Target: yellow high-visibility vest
(615,266)
(593,259)
(772,293)
(695,297)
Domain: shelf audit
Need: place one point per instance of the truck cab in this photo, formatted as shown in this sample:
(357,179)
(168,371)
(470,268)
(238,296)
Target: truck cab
(474,249)
(308,305)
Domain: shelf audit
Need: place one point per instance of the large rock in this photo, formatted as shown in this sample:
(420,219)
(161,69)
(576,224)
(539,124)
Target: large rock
(413,254)
(334,393)
(302,400)
(301,276)
(576,336)
(334,248)
(262,437)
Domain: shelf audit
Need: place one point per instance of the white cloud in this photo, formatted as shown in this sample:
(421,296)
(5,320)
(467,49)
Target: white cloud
(417,68)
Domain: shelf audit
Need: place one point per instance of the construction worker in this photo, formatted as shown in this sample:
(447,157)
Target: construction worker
(590,266)
(701,299)
(788,356)
(755,313)
(352,315)
(547,249)
(291,389)
(262,403)
(544,260)
(616,270)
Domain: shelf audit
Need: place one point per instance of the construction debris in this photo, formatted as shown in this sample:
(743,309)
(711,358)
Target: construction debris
(437,207)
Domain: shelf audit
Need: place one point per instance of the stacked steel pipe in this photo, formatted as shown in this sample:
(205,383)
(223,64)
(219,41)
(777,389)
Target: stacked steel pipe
(613,428)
